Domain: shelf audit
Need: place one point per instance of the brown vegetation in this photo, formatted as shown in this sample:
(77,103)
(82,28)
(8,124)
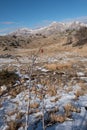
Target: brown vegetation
(13,125)
(56,66)
(79,93)
(69,107)
(34,105)
(57,118)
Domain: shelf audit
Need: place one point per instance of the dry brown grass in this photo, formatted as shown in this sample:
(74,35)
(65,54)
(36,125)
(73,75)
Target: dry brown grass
(19,115)
(69,89)
(1,105)
(79,93)
(68,114)
(56,66)
(69,107)
(34,105)
(51,90)
(13,125)
(57,118)
(34,111)
(39,115)
(75,98)
(51,66)
(55,99)
(40,96)
(13,93)
(83,87)
(33,88)
(22,81)
(10,113)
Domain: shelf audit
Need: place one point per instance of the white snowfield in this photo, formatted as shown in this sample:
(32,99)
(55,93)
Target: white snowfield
(78,121)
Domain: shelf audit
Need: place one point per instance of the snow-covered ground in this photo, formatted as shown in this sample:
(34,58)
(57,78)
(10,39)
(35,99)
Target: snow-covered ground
(77,122)
(10,107)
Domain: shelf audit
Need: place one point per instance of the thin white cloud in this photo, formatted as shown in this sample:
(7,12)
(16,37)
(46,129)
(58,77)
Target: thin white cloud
(7,23)
(6,30)
(81,19)
(42,24)
(8,26)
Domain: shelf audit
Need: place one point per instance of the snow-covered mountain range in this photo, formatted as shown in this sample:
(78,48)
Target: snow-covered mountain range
(54,27)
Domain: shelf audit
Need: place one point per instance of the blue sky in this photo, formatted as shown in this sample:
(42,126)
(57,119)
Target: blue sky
(35,13)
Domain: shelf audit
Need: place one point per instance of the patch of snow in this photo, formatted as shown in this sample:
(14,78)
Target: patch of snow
(21,128)
(83,78)
(80,73)
(4,127)
(82,101)
(5,60)
(3,88)
(44,70)
(11,117)
(48,103)
(26,76)
(66,98)
(76,87)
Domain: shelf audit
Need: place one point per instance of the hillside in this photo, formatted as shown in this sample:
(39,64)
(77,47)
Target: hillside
(74,37)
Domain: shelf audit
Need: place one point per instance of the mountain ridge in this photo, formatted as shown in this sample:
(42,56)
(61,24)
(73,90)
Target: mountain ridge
(54,27)
(71,34)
